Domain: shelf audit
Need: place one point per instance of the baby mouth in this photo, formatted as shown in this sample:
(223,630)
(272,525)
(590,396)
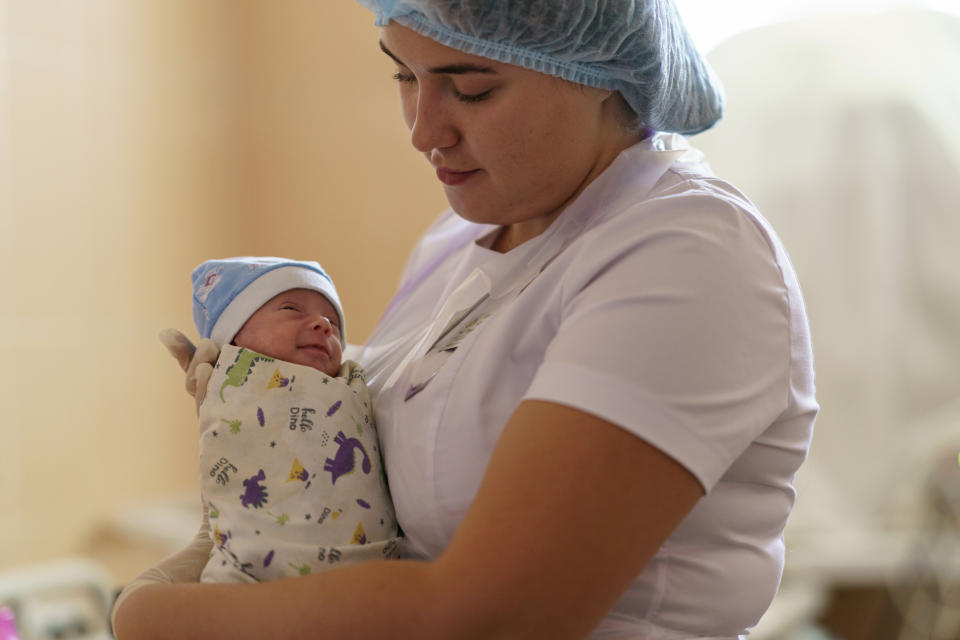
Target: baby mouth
(315,347)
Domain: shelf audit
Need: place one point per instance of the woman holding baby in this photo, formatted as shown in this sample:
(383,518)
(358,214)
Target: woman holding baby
(595,383)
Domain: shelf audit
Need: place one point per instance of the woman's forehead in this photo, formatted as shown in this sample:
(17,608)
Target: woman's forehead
(410,49)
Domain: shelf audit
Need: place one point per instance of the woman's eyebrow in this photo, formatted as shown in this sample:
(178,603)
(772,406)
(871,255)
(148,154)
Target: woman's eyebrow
(451,69)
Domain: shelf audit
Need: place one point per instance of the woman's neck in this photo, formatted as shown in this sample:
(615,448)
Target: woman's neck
(513,235)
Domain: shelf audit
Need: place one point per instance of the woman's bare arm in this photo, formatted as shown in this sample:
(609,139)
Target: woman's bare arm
(570,510)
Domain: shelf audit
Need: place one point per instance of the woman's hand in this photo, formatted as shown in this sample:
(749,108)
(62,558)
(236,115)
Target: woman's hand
(196,361)
(182,567)
(186,565)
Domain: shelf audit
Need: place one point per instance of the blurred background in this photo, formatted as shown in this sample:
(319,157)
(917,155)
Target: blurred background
(141,137)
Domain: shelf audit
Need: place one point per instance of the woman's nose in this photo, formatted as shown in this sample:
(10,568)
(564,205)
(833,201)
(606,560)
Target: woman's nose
(431,126)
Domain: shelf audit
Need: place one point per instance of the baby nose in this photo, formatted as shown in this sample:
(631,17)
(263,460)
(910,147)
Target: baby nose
(322,323)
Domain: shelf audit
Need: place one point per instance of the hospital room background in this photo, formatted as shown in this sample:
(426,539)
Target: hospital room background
(141,137)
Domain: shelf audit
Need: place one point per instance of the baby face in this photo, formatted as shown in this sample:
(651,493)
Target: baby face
(300,326)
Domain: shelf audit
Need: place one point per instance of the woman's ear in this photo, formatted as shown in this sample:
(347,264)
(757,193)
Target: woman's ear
(601,95)
(616,105)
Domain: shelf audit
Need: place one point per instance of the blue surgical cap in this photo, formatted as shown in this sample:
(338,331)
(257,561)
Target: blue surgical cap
(637,47)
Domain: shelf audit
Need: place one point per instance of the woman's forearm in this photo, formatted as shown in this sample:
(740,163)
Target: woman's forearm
(393,599)
(485,585)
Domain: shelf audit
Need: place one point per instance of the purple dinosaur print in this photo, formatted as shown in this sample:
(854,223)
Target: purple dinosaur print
(344,463)
(255,494)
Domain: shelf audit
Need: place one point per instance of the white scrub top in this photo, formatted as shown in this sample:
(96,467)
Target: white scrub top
(661,301)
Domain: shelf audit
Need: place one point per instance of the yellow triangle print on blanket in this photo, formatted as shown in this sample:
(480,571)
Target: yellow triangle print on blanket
(219,538)
(359,536)
(297,472)
(278,380)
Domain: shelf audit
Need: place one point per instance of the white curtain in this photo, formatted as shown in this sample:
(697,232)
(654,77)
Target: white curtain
(846,132)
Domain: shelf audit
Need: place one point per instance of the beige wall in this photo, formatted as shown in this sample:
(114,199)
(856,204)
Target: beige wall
(335,176)
(138,138)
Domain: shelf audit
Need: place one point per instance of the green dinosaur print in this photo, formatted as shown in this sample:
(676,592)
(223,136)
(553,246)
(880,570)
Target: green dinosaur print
(240,370)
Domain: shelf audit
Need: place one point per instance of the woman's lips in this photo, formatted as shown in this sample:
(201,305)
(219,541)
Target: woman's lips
(454,178)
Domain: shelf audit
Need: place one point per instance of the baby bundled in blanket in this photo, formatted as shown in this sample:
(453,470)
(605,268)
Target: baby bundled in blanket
(290,464)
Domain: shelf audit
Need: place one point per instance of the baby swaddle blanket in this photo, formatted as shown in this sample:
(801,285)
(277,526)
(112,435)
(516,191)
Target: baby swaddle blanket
(291,471)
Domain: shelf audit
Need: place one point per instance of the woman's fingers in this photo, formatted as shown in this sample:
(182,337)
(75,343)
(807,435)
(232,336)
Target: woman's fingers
(179,346)
(201,367)
(196,361)
(201,377)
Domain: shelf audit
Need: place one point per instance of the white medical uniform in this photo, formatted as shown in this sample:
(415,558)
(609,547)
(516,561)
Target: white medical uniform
(661,301)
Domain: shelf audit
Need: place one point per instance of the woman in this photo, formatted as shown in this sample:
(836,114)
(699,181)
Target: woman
(595,383)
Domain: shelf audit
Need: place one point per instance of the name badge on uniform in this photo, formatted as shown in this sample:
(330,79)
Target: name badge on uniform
(488,292)
(459,327)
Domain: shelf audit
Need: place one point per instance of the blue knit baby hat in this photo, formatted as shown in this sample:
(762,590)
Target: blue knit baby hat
(227,292)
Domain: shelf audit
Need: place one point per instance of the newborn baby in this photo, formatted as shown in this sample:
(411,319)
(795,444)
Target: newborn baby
(290,465)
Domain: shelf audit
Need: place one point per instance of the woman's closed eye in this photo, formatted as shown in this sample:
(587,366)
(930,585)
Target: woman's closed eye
(462,96)
(472,97)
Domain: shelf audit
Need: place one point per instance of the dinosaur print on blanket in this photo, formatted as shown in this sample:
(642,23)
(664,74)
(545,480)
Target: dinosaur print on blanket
(240,370)
(344,461)
(254,494)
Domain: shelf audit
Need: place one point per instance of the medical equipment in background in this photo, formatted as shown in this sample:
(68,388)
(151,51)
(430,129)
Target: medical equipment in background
(64,600)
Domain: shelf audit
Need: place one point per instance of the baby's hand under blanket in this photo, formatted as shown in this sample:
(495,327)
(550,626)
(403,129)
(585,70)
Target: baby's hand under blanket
(196,361)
